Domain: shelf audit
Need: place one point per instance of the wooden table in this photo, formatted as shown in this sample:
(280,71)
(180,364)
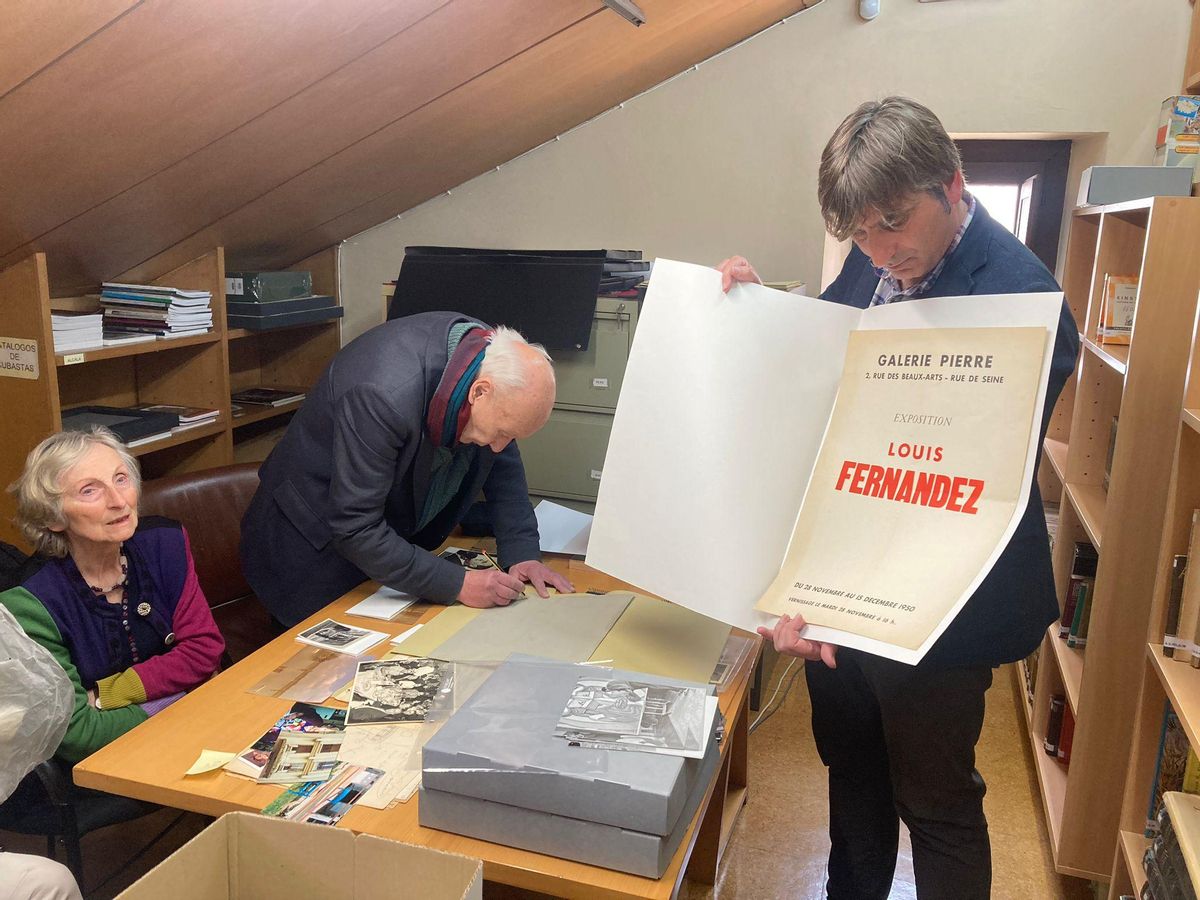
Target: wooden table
(148,763)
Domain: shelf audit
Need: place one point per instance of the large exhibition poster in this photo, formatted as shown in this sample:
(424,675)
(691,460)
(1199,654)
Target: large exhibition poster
(917,486)
(740,409)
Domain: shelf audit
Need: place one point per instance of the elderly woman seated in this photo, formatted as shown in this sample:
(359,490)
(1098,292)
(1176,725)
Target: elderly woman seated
(114,599)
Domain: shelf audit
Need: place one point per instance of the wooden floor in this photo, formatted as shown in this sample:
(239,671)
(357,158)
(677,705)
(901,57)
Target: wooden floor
(787,805)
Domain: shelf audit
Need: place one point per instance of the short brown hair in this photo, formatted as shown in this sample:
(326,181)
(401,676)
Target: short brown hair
(883,153)
(39,490)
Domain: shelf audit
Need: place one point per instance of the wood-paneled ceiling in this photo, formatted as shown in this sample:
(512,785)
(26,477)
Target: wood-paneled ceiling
(138,135)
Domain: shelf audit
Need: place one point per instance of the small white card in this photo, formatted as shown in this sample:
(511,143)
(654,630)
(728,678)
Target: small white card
(386,603)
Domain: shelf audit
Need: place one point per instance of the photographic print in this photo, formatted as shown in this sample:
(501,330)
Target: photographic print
(618,714)
(324,803)
(468,559)
(301,718)
(389,691)
(301,757)
(335,636)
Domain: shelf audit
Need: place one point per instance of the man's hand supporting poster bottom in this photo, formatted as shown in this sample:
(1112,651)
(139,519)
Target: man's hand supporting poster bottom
(924,469)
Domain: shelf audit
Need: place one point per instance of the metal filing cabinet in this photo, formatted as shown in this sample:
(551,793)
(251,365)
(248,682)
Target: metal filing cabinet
(565,459)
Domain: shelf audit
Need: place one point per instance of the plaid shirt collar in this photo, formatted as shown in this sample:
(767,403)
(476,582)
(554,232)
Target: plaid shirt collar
(888,290)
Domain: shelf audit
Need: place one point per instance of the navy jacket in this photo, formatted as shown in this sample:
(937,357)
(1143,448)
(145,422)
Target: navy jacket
(1007,616)
(340,496)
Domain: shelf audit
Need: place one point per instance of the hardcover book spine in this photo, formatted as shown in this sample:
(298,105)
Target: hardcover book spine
(1171,641)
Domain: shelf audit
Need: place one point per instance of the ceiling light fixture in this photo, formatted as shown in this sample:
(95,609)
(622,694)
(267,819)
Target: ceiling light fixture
(627,9)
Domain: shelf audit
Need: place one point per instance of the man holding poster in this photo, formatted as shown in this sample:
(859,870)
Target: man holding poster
(898,739)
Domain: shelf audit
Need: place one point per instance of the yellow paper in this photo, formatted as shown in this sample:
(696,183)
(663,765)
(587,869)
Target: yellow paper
(208,761)
(660,638)
(442,626)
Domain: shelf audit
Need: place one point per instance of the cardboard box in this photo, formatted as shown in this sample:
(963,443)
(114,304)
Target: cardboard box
(244,856)
(1116,184)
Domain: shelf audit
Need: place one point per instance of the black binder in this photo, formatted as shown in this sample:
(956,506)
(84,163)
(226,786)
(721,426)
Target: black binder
(547,295)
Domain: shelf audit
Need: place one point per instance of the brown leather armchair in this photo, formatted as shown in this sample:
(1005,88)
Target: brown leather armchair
(210,503)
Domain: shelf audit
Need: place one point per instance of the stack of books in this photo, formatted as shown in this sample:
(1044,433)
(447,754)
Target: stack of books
(265,396)
(76,330)
(189,416)
(624,271)
(161,312)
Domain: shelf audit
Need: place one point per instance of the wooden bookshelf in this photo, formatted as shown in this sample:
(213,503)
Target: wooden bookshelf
(199,370)
(1191,64)
(292,357)
(1141,384)
(1132,878)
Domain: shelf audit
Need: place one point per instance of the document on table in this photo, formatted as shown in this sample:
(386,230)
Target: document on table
(561,529)
(393,749)
(565,627)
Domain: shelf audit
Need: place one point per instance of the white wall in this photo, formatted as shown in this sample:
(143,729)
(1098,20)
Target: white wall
(723,159)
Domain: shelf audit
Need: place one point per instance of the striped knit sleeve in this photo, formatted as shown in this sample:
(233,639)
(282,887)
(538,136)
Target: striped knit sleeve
(90,728)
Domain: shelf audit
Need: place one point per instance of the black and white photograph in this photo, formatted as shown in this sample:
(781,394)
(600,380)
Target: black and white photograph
(468,559)
(389,691)
(618,714)
(340,638)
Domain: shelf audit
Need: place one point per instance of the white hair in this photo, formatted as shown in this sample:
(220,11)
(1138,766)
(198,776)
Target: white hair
(504,363)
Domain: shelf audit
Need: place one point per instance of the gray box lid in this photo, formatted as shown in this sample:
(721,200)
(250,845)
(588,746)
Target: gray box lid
(500,746)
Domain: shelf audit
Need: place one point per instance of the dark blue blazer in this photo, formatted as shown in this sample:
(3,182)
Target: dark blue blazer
(340,497)
(1007,616)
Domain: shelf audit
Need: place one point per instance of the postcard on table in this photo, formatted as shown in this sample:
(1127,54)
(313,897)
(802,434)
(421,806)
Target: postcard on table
(301,718)
(340,638)
(390,691)
(301,757)
(324,802)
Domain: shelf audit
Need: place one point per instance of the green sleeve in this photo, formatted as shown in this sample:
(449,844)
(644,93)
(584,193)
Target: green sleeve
(90,728)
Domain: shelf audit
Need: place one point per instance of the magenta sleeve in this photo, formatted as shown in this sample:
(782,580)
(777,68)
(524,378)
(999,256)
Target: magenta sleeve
(196,653)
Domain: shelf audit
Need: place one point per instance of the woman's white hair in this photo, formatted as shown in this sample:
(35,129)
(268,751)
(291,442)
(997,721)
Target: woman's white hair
(504,363)
(39,490)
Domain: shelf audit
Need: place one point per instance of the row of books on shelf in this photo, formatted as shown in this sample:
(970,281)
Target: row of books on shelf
(1170,860)
(146,423)
(1077,607)
(130,314)
(1181,637)
(1172,816)
(1118,302)
(1060,730)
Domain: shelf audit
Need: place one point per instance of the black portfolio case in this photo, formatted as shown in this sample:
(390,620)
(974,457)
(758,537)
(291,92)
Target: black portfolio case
(547,295)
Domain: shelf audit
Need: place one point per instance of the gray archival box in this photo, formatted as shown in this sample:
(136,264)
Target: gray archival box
(496,771)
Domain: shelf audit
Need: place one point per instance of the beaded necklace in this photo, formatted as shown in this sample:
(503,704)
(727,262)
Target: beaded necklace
(123,586)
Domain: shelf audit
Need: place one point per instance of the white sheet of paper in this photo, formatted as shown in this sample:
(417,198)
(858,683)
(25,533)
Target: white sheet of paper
(562,529)
(392,748)
(722,412)
(714,437)
(384,604)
